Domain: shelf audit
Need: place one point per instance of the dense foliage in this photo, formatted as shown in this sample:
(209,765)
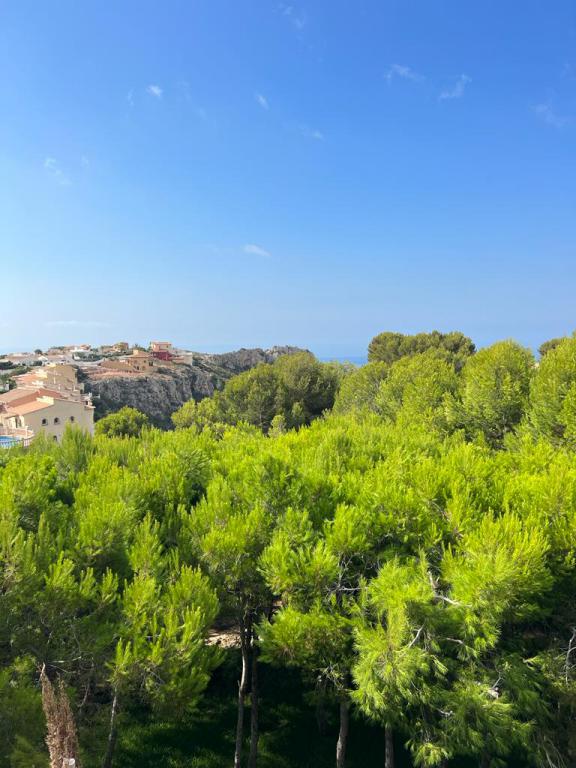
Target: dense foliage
(288,393)
(126,422)
(388,347)
(408,560)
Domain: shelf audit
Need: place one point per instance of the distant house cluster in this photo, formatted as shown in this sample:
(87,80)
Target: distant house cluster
(47,396)
(139,361)
(44,401)
(80,354)
(160,354)
(62,355)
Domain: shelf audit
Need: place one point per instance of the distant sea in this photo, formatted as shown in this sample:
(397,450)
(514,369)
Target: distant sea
(354,359)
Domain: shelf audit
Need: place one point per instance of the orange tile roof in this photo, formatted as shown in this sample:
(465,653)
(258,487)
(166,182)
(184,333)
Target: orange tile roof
(18,394)
(21,394)
(24,408)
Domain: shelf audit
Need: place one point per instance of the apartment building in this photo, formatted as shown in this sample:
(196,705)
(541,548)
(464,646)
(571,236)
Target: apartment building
(44,402)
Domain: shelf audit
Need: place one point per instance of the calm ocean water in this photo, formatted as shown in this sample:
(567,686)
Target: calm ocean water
(354,359)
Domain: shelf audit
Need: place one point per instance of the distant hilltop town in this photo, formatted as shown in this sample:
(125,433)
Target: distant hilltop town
(79,354)
(41,392)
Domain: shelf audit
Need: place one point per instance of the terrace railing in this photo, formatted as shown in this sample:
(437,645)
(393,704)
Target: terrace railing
(21,436)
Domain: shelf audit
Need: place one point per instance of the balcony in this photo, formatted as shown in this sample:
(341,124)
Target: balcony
(15,436)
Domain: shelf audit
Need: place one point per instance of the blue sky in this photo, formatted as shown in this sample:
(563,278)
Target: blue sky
(244,172)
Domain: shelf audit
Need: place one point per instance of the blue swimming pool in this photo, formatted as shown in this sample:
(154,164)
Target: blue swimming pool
(7,441)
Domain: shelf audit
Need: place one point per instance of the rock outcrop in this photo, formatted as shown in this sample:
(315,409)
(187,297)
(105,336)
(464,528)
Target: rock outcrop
(159,393)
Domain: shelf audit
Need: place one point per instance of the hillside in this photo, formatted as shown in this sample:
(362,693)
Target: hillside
(160,393)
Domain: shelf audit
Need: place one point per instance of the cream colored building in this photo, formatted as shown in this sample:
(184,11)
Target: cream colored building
(48,415)
(138,362)
(161,346)
(45,401)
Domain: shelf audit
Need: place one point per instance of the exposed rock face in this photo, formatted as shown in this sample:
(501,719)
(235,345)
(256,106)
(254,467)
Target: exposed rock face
(158,394)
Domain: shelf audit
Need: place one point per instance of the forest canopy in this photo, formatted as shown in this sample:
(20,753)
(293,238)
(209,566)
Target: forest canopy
(391,547)
(288,393)
(388,347)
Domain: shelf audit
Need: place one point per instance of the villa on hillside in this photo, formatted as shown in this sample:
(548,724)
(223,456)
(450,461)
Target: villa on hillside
(161,353)
(138,362)
(162,350)
(44,401)
(119,348)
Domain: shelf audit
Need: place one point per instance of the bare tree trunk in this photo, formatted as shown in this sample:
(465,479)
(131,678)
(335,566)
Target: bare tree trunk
(61,737)
(112,733)
(343,733)
(245,636)
(254,723)
(389,749)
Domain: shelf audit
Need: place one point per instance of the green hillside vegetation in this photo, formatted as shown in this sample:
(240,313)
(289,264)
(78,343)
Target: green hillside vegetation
(319,566)
(286,394)
(388,347)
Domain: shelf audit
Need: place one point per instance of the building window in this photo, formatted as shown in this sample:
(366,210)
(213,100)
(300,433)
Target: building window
(56,420)
(72,418)
(44,422)
(55,438)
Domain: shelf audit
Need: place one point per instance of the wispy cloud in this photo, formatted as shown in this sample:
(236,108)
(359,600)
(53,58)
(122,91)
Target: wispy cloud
(311,133)
(457,90)
(201,112)
(549,116)
(76,324)
(130,97)
(295,16)
(53,168)
(256,250)
(403,72)
(155,90)
(262,101)
(85,161)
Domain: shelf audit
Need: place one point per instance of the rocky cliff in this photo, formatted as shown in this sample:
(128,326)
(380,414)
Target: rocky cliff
(160,393)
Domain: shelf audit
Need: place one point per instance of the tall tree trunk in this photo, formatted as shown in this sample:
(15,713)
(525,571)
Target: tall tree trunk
(112,733)
(343,733)
(254,712)
(389,749)
(245,636)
